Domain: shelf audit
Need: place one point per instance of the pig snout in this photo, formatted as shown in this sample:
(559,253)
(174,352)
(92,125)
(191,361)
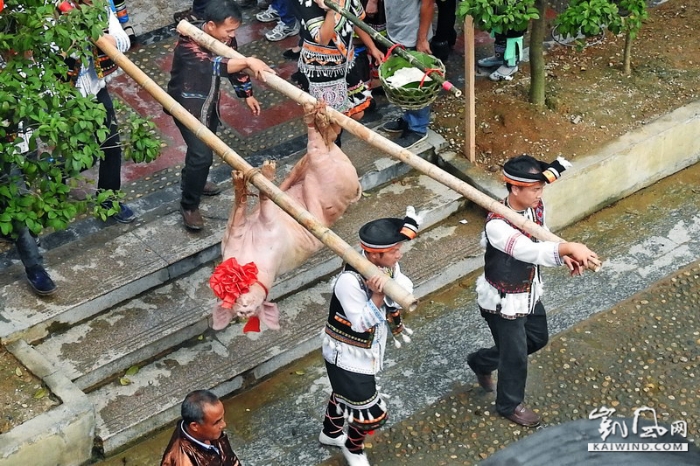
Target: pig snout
(247,304)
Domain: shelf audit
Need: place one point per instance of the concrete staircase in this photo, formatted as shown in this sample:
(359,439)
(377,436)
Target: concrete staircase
(138,295)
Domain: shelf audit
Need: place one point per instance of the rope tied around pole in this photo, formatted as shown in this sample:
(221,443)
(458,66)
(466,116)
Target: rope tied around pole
(391,49)
(427,72)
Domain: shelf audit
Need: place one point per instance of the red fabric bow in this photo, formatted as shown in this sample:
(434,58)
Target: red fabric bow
(230,280)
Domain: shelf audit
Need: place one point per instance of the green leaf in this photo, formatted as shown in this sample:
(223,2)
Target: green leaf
(41,393)
(133,370)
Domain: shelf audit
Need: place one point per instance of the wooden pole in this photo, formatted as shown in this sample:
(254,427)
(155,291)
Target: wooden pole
(446,85)
(379,141)
(469,108)
(288,204)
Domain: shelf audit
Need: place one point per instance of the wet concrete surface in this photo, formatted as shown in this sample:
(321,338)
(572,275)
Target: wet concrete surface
(624,338)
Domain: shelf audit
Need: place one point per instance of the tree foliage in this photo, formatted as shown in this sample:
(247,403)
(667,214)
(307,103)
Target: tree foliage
(499,16)
(63,128)
(589,17)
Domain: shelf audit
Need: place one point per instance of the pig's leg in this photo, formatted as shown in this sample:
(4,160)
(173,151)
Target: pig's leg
(268,209)
(237,216)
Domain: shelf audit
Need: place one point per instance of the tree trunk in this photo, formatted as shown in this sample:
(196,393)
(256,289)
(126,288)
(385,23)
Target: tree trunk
(537,71)
(627,60)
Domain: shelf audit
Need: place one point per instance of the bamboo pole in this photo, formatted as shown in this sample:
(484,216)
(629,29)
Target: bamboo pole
(446,85)
(381,142)
(288,204)
(470,108)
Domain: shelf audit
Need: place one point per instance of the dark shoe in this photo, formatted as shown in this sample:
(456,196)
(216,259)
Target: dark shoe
(485,380)
(395,126)
(410,138)
(441,50)
(524,416)
(125,214)
(192,218)
(291,54)
(40,281)
(211,189)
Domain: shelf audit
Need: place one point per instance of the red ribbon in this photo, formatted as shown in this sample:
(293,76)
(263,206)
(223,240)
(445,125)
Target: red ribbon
(230,280)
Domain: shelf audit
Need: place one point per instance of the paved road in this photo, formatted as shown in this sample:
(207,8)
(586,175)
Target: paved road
(625,338)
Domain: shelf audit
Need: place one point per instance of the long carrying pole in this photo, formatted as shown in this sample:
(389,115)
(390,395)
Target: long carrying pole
(448,86)
(380,142)
(289,205)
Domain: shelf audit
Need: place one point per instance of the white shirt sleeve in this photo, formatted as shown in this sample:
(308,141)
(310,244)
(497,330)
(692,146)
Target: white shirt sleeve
(513,242)
(358,309)
(116,31)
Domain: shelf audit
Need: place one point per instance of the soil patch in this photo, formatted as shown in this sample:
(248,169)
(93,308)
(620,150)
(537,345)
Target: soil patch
(22,395)
(589,100)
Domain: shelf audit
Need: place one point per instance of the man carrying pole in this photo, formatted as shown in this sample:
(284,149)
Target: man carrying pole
(354,338)
(510,288)
(194,83)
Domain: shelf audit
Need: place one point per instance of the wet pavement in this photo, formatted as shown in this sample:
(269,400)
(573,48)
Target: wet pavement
(625,338)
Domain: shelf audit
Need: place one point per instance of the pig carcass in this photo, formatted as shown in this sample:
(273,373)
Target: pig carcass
(262,244)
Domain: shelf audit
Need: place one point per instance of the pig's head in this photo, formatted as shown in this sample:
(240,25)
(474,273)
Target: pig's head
(254,304)
(248,303)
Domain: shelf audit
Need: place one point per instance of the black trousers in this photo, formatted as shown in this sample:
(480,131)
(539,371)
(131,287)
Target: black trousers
(198,160)
(514,340)
(445,27)
(111,166)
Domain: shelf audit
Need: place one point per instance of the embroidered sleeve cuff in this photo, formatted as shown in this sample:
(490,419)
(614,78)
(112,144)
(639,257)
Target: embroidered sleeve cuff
(371,316)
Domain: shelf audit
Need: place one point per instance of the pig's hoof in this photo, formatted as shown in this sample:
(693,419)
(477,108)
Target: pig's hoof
(268,169)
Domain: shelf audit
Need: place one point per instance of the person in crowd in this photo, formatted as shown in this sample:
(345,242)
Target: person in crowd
(25,243)
(195,79)
(281,12)
(354,338)
(327,61)
(445,35)
(409,23)
(90,81)
(507,53)
(199,438)
(367,67)
(510,289)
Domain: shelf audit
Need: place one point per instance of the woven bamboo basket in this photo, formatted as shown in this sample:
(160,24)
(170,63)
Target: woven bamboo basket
(412,96)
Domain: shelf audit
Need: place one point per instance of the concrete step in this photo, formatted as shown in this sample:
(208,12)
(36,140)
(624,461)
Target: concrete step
(229,360)
(104,265)
(164,317)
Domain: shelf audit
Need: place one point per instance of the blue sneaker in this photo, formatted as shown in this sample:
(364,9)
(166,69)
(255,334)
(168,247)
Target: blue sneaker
(40,281)
(125,214)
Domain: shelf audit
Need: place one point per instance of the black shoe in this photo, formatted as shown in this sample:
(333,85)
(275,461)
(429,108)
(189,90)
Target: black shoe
(124,215)
(291,54)
(40,281)
(395,126)
(410,138)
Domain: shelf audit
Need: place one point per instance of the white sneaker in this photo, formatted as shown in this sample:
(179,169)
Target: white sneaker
(354,459)
(503,73)
(268,15)
(330,441)
(282,31)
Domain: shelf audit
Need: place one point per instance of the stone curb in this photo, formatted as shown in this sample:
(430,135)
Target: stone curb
(63,435)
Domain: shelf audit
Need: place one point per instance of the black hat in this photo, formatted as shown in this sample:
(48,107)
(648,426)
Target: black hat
(382,234)
(518,171)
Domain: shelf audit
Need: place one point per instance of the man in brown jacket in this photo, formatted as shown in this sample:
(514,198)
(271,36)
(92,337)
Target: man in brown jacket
(199,439)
